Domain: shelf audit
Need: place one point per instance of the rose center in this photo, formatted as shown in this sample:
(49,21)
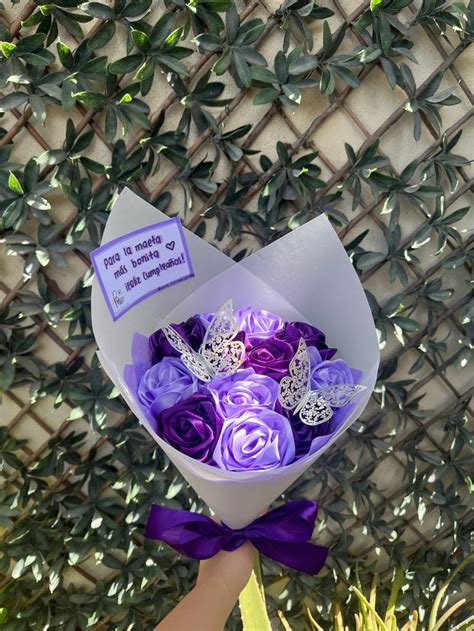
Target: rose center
(240,397)
(254,443)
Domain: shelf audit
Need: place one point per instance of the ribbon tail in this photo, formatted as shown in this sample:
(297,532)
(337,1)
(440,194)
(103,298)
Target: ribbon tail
(301,556)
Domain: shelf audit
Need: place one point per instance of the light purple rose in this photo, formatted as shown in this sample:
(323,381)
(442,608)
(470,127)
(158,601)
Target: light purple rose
(308,439)
(244,390)
(258,323)
(330,372)
(166,383)
(255,440)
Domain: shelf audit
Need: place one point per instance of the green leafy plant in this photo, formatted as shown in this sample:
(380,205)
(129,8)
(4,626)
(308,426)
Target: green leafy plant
(362,167)
(296,17)
(295,181)
(369,616)
(126,13)
(235,53)
(204,94)
(283,84)
(427,101)
(25,197)
(157,46)
(202,15)
(51,19)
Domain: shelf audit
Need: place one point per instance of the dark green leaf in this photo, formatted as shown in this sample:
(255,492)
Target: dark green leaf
(385,34)
(304,64)
(98,10)
(126,64)
(370,259)
(8,102)
(91,99)
(267,95)
(242,69)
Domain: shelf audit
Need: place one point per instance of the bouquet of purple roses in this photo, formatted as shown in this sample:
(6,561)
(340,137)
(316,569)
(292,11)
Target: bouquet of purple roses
(241,400)
(233,402)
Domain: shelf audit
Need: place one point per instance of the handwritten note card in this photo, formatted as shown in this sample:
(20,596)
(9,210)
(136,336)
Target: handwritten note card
(140,263)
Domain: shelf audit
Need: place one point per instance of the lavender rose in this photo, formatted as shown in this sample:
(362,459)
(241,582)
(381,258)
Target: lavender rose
(258,324)
(192,331)
(166,383)
(270,357)
(294,331)
(326,373)
(255,440)
(244,390)
(191,426)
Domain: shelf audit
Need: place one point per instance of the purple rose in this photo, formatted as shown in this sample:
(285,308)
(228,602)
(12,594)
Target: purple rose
(192,331)
(255,440)
(191,426)
(205,317)
(242,391)
(311,438)
(166,383)
(270,357)
(258,324)
(294,331)
(326,373)
(323,374)
(304,435)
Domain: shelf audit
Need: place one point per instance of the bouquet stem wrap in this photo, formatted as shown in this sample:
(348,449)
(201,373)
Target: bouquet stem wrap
(282,534)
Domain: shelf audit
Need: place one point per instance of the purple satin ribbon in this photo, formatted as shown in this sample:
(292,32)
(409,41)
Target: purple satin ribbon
(281,534)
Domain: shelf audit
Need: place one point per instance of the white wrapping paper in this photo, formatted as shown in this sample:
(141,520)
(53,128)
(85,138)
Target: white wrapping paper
(306,275)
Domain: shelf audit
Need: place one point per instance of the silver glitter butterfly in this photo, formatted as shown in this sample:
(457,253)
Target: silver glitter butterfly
(219,354)
(313,406)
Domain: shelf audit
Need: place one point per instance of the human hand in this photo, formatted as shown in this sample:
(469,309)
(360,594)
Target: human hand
(208,605)
(229,569)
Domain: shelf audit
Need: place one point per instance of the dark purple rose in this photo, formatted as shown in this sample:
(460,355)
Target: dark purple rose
(254,441)
(166,383)
(305,434)
(294,331)
(244,390)
(191,426)
(310,438)
(258,324)
(270,357)
(192,331)
(243,337)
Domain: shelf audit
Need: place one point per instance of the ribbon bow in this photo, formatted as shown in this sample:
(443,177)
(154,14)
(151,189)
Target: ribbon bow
(281,534)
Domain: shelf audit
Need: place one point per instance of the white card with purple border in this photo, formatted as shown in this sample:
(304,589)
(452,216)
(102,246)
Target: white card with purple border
(140,263)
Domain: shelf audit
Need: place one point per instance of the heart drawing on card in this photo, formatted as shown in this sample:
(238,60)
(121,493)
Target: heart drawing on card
(170,245)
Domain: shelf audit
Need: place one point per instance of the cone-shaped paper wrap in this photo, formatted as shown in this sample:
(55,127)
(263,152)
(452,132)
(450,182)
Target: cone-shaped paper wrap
(305,275)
